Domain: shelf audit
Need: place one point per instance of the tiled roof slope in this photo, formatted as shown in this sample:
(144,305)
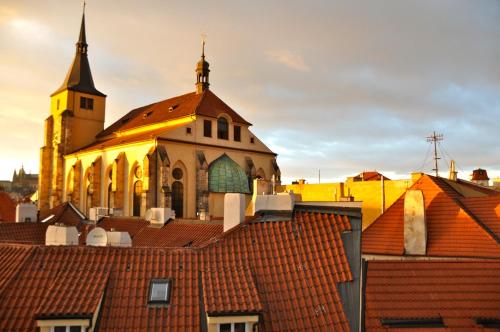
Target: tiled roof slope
(296,267)
(24,232)
(65,213)
(173,234)
(229,290)
(7,208)
(205,104)
(452,229)
(291,270)
(176,234)
(459,292)
(12,258)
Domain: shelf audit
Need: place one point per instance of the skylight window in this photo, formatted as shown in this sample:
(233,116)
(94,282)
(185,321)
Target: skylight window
(159,291)
(413,322)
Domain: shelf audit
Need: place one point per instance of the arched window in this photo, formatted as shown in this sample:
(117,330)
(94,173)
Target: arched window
(137,198)
(178,192)
(222,128)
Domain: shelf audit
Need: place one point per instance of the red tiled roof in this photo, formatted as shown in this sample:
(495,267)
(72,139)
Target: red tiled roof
(65,213)
(292,267)
(228,290)
(459,292)
(487,209)
(206,104)
(23,232)
(173,234)
(131,225)
(370,176)
(451,229)
(12,258)
(7,208)
(176,234)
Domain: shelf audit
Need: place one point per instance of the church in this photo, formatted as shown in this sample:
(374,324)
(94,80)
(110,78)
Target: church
(184,152)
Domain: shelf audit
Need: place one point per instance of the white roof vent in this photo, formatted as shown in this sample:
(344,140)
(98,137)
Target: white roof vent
(415,229)
(119,239)
(159,216)
(97,213)
(60,235)
(97,237)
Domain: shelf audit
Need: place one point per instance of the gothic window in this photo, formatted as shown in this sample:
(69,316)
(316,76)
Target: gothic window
(178,198)
(137,198)
(86,103)
(222,128)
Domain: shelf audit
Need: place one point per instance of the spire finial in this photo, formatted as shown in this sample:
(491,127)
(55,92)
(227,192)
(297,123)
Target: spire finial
(203,41)
(202,69)
(84,4)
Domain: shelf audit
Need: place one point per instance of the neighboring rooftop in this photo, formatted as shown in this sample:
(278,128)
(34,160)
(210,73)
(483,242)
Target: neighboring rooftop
(461,218)
(293,274)
(462,295)
(7,208)
(369,176)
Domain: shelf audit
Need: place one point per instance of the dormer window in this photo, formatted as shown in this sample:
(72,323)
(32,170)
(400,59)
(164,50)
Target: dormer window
(222,128)
(159,291)
(86,103)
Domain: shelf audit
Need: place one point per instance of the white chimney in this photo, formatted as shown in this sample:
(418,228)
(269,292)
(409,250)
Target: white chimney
(119,239)
(415,229)
(61,235)
(234,210)
(157,217)
(26,212)
(96,213)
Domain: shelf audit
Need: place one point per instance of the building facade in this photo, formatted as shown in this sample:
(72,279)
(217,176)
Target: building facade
(184,152)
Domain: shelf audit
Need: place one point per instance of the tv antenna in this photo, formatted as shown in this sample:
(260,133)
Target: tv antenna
(434,138)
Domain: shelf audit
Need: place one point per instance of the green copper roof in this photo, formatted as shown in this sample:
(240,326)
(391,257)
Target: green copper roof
(226,176)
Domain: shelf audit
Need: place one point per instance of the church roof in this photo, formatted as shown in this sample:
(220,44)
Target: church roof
(204,104)
(79,76)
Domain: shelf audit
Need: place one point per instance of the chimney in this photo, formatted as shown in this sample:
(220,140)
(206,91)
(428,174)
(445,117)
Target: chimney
(61,235)
(480,177)
(453,172)
(26,212)
(234,210)
(157,217)
(415,229)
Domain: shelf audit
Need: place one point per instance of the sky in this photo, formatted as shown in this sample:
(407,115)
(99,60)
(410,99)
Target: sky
(337,86)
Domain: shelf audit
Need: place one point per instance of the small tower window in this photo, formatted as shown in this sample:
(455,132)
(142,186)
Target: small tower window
(237,133)
(86,103)
(222,128)
(252,140)
(188,130)
(58,104)
(207,128)
(159,291)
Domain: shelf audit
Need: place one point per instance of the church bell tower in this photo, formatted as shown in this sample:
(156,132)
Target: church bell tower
(202,72)
(77,111)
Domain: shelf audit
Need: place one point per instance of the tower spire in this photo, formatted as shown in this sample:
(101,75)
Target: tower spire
(79,77)
(202,70)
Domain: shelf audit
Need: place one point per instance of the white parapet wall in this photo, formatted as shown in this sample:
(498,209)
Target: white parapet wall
(26,212)
(234,210)
(279,202)
(119,239)
(60,235)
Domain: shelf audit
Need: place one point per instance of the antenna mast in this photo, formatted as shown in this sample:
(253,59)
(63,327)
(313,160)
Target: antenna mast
(434,138)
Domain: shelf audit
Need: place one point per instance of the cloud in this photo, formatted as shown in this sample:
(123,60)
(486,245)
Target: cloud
(287,58)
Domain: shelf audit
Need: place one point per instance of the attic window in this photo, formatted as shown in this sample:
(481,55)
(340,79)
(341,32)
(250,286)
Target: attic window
(173,107)
(412,322)
(488,322)
(159,291)
(125,120)
(146,115)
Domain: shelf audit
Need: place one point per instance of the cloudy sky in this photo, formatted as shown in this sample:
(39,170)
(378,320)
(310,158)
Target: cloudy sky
(341,86)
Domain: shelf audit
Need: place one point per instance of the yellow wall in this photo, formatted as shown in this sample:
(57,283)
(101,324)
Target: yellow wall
(368,192)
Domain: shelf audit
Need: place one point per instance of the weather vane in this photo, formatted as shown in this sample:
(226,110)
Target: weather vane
(203,40)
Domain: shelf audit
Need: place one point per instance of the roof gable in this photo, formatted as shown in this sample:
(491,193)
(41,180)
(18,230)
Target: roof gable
(452,230)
